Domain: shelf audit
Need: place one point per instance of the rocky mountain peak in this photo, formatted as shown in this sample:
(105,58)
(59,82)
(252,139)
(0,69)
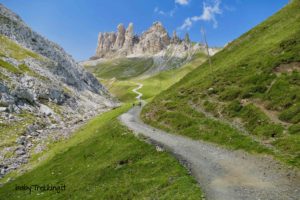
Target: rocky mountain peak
(158,27)
(125,42)
(121,28)
(129,29)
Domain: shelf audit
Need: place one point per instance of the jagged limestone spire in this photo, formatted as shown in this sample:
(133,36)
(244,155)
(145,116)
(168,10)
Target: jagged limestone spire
(129,35)
(175,39)
(120,37)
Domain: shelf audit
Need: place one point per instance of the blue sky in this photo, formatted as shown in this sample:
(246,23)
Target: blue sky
(75,24)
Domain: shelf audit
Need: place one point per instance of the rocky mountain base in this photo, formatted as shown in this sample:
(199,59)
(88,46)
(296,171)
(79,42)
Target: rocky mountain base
(44,94)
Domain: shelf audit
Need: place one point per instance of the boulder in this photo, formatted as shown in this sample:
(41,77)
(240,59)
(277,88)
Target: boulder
(45,110)
(21,140)
(24,94)
(3,109)
(31,129)
(20,150)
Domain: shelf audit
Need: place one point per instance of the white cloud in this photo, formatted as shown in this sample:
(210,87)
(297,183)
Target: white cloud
(171,13)
(210,10)
(187,24)
(182,2)
(168,13)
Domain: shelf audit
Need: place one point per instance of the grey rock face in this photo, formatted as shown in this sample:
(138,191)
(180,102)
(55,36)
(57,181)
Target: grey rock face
(166,52)
(129,35)
(175,39)
(65,67)
(21,140)
(120,37)
(23,94)
(154,40)
(45,110)
(149,43)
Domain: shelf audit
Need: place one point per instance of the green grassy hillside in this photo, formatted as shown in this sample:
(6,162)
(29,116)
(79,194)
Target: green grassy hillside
(121,68)
(9,48)
(104,160)
(249,99)
(159,82)
(152,85)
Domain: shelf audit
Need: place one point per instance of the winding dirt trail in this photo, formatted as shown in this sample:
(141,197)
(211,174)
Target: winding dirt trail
(135,90)
(222,174)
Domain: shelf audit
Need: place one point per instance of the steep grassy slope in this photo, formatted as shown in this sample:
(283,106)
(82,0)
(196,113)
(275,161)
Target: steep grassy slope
(105,161)
(121,68)
(9,48)
(155,84)
(250,99)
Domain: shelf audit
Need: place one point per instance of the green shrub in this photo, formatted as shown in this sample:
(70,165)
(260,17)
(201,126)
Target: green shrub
(294,129)
(230,93)
(291,114)
(258,123)
(209,106)
(283,93)
(234,108)
(268,130)
(251,90)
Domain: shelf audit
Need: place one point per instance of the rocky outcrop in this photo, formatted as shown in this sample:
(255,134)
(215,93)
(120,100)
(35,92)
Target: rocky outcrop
(155,43)
(106,43)
(149,43)
(153,40)
(44,93)
(175,39)
(129,40)
(120,37)
(65,67)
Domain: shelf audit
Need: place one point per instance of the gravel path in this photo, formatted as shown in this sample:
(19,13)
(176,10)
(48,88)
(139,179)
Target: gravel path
(222,174)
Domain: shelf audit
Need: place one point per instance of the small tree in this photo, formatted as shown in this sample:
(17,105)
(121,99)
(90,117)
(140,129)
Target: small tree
(187,38)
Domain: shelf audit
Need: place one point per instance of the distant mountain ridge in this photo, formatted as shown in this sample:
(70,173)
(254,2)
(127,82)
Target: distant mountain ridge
(166,52)
(127,43)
